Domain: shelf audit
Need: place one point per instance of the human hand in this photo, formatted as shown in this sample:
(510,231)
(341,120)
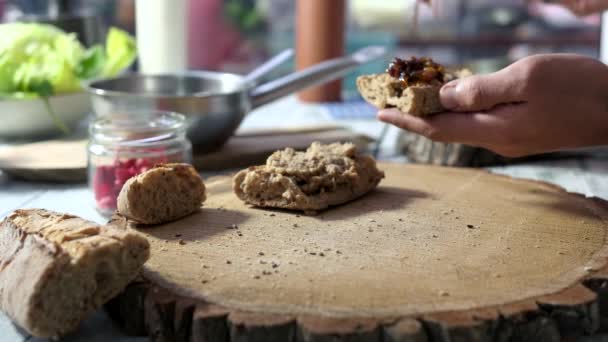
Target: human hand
(538,104)
(585,7)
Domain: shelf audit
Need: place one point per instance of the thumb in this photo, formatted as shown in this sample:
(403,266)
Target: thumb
(481,92)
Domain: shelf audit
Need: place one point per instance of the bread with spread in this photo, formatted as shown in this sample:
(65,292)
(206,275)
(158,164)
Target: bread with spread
(309,181)
(164,193)
(411,85)
(55,268)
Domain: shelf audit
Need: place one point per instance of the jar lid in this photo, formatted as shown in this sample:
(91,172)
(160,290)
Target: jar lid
(138,128)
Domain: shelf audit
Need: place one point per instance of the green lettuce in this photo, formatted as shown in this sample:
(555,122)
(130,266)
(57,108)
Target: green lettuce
(40,60)
(32,54)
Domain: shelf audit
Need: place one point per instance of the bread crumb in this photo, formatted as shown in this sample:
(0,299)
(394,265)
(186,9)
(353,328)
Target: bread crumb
(443,293)
(261,253)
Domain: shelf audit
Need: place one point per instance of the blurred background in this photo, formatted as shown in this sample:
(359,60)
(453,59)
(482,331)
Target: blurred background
(237,35)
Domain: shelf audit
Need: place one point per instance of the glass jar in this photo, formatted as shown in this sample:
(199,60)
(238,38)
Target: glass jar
(124,145)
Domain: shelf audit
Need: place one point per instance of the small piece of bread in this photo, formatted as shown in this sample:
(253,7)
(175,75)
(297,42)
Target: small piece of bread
(164,193)
(384,91)
(55,269)
(320,177)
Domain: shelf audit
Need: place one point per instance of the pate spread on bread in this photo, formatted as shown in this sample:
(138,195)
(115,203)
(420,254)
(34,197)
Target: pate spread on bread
(311,180)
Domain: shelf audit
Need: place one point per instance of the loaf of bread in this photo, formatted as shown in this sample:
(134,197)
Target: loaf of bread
(164,193)
(384,91)
(309,181)
(55,269)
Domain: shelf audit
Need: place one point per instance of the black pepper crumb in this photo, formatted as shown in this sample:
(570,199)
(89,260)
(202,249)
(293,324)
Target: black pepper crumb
(228,262)
(312,253)
(272,215)
(178,235)
(322,254)
(261,253)
(181,242)
(470,226)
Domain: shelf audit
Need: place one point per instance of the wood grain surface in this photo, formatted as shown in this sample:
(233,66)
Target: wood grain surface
(433,254)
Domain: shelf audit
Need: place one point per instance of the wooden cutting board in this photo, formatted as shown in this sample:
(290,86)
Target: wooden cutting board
(433,253)
(66,161)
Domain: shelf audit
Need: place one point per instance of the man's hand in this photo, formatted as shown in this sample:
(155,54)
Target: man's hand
(539,104)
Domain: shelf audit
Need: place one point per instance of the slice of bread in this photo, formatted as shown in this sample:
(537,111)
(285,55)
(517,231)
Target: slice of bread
(310,181)
(164,193)
(55,269)
(384,91)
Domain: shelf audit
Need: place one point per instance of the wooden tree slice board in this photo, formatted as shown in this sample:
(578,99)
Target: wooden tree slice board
(458,251)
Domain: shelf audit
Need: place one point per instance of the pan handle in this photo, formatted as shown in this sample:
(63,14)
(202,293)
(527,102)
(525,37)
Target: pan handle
(318,74)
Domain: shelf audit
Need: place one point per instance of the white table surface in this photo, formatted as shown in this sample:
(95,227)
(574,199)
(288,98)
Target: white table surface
(586,176)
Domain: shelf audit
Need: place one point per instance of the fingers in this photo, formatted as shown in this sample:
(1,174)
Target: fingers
(482,92)
(468,128)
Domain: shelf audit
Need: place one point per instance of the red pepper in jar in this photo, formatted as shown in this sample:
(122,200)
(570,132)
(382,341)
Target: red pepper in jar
(109,179)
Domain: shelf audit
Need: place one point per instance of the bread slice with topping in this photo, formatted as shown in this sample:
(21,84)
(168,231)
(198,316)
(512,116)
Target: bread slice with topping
(412,86)
(164,193)
(310,181)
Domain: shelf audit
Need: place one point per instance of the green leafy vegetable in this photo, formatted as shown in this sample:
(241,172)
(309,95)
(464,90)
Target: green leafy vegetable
(40,60)
(120,52)
(92,62)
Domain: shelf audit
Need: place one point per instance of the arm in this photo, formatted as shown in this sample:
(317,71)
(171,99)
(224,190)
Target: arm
(539,104)
(585,7)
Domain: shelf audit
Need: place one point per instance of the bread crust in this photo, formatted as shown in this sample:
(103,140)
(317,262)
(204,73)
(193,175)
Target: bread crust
(323,176)
(55,268)
(384,91)
(164,193)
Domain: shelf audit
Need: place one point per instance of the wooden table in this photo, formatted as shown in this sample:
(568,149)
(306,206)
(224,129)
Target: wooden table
(584,175)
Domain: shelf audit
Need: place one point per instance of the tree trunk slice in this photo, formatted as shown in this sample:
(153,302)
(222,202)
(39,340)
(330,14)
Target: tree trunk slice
(434,254)
(420,149)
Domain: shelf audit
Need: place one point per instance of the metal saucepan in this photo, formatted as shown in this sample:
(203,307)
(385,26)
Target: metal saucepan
(215,103)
